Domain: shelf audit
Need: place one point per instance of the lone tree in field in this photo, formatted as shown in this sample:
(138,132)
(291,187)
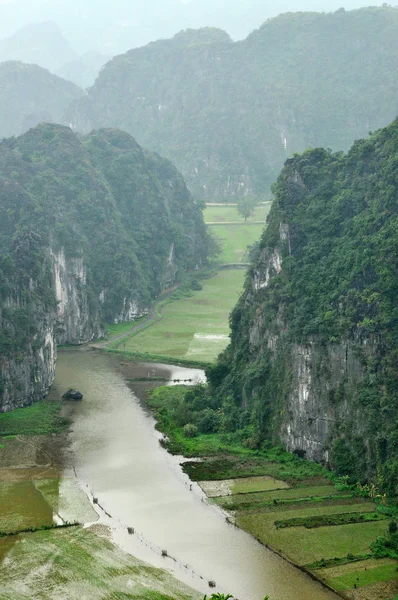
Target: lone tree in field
(246,206)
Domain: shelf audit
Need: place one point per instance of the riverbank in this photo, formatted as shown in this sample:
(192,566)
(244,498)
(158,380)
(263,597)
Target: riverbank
(298,509)
(39,491)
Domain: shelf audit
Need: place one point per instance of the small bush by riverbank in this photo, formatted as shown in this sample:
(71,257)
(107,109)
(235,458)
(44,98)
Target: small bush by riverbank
(39,419)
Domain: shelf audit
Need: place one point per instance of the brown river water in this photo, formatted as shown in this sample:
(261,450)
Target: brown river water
(114,452)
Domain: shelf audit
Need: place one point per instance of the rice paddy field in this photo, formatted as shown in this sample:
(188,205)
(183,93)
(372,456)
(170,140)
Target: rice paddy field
(194,327)
(235,240)
(233,234)
(76,563)
(227,213)
(197,327)
(334,525)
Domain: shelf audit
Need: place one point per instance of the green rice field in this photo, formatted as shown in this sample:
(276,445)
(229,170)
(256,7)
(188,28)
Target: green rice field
(193,327)
(308,545)
(228,214)
(232,233)
(234,241)
(326,530)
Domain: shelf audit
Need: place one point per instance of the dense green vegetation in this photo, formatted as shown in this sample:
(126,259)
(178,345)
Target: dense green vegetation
(332,528)
(229,114)
(178,406)
(30,95)
(338,285)
(41,418)
(119,221)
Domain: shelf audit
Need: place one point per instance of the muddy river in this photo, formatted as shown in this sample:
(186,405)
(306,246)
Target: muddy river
(115,454)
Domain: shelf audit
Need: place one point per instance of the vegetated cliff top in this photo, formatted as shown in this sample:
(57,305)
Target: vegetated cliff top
(125,212)
(229,114)
(326,275)
(30,95)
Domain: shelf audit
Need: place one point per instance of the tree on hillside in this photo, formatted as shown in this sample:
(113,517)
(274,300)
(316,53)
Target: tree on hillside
(246,206)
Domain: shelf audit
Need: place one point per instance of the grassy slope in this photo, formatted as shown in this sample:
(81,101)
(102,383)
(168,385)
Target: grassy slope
(75,563)
(205,313)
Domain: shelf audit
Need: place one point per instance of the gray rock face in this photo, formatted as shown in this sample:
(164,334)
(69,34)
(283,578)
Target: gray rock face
(313,414)
(76,324)
(27,377)
(322,379)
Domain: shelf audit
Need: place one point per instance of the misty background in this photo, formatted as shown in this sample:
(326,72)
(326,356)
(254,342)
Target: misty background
(74,38)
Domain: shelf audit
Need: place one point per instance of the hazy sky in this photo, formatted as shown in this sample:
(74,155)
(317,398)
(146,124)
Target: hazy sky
(113,26)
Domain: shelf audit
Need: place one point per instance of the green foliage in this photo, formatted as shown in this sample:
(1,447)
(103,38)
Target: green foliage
(246,206)
(41,418)
(218,597)
(301,80)
(328,520)
(338,285)
(119,221)
(190,430)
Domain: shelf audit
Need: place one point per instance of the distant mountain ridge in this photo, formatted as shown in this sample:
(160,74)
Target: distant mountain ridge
(229,114)
(45,45)
(31,95)
(114,27)
(40,43)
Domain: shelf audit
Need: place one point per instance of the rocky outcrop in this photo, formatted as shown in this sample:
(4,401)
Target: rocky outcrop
(314,343)
(91,231)
(27,377)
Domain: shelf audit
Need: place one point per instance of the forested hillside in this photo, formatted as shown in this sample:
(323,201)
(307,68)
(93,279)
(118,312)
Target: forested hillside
(313,356)
(30,95)
(90,231)
(229,114)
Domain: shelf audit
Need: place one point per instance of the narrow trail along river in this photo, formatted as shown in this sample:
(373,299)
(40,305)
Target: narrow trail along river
(115,453)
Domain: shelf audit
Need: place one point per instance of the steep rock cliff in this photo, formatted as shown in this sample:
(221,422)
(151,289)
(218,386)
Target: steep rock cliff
(90,231)
(314,345)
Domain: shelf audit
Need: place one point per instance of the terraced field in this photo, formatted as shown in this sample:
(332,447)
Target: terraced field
(334,527)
